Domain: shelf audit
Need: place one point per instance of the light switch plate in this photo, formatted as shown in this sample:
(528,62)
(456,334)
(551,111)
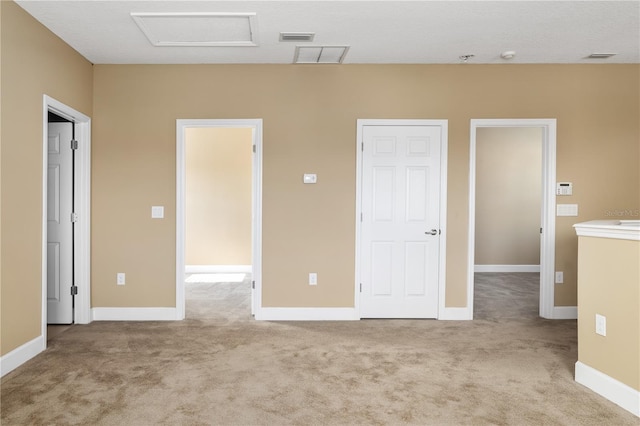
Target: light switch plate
(310,178)
(157,212)
(601,325)
(566,210)
(559,277)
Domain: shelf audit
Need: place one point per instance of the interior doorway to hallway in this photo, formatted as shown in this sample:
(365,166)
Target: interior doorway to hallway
(218,231)
(547,128)
(508,220)
(218,187)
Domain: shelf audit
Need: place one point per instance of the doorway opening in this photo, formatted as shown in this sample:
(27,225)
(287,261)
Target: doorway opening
(514,256)
(218,216)
(66,190)
(218,222)
(508,216)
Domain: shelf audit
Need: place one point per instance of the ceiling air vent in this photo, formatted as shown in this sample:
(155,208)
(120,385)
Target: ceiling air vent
(600,55)
(320,54)
(297,37)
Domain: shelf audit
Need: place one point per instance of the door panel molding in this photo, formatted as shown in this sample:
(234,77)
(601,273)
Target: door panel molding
(548,223)
(420,147)
(59,226)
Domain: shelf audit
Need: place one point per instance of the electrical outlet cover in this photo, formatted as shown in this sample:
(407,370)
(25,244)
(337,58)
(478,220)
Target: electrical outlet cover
(601,325)
(313,278)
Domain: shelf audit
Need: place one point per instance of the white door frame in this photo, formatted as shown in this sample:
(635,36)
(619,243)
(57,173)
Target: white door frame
(442,311)
(548,224)
(82,207)
(256,205)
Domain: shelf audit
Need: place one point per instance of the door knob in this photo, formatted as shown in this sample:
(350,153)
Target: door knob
(432,232)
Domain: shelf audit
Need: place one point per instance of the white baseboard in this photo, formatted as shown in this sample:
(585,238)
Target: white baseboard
(455,314)
(506,268)
(134,314)
(213,269)
(21,354)
(565,312)
(608,387)
(306,314)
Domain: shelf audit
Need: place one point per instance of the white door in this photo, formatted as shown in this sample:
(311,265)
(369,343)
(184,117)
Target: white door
(400,229)
(59,224)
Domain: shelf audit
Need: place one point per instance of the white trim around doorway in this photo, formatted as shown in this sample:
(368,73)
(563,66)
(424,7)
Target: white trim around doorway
(256,213)
(82,207)
(548,223)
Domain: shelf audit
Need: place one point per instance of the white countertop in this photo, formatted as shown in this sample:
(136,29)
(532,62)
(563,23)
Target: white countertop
(619,229)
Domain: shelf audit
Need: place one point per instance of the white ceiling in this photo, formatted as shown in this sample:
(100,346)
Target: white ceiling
(418,32)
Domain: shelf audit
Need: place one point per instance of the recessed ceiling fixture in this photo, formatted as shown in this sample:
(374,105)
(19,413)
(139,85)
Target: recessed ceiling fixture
(600,55)
(465,58)
(298,37)
(509,54)
(198,29)
(320,54)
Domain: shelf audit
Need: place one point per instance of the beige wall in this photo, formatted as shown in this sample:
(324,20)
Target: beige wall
(508,195)
(34,63)
(610,285)
(310,115)
(218,196)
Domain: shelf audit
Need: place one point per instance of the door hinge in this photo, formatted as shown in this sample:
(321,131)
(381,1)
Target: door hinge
(361,217)
(253,284)
(360,287)
(74,217)
(362,146)
(74,290)
(541,230)
(254,148)
(74,144)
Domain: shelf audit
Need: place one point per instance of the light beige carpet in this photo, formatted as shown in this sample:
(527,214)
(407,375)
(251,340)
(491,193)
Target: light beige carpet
(510,368)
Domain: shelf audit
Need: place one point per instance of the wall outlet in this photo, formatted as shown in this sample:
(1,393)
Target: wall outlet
(313,278)
(601,325)
(157,212)
(120,278)
(559,277)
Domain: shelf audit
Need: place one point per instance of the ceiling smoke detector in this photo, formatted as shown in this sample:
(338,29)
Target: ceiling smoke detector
(509,54)
(297,37)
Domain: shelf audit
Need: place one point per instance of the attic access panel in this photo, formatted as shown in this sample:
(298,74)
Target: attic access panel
(198,29)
